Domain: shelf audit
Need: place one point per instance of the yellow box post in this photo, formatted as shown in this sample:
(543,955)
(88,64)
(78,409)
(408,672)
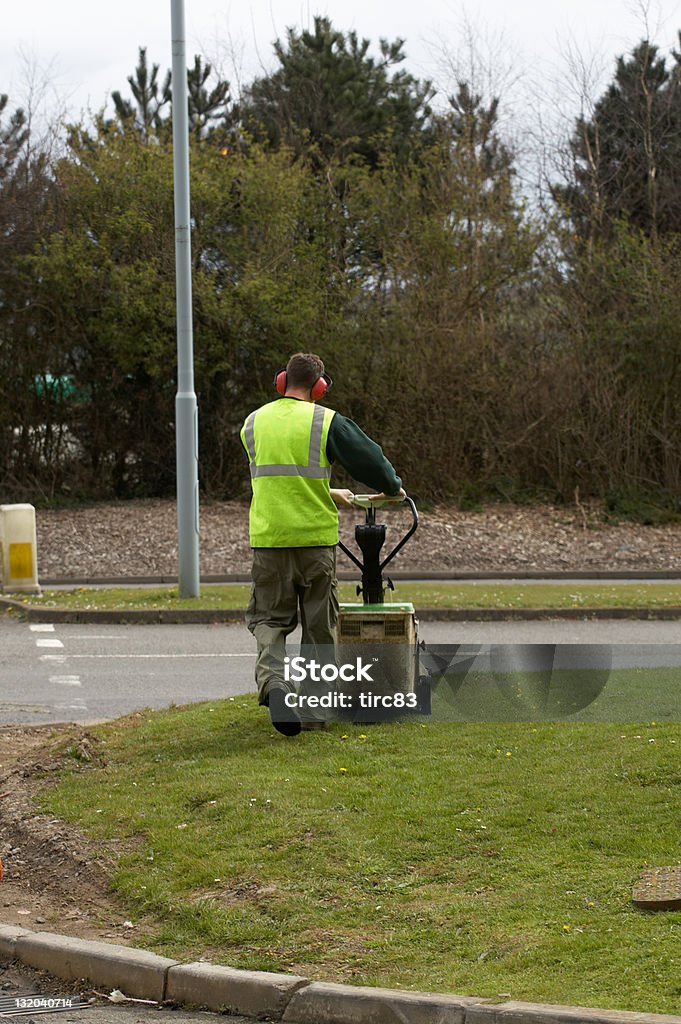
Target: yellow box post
(18,550)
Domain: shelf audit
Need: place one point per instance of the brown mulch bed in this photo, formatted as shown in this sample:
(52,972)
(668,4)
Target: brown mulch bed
(139,538)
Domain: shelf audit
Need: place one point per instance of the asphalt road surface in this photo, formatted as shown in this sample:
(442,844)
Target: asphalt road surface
(17,981)
(85,673)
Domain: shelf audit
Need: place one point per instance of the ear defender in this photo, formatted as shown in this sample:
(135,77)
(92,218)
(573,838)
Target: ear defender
(320,387)
(317,391)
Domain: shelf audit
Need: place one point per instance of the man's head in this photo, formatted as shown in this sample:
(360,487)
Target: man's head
(303,370)
(304,377)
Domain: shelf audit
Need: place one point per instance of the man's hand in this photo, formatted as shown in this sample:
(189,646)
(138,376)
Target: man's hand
(342,496)
(387,497)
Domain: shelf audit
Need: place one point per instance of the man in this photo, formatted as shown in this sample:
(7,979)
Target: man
(291,444)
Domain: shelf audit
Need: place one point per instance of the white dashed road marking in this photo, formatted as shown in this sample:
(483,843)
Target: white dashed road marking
(77,703)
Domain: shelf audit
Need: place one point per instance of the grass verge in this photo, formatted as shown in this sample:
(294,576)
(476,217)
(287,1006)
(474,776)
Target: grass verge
(474,858)
(422,595)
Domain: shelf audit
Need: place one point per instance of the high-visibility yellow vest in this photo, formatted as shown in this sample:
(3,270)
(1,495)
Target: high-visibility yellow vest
(290,472)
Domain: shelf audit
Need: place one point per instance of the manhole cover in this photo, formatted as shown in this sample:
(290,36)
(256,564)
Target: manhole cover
(659,889)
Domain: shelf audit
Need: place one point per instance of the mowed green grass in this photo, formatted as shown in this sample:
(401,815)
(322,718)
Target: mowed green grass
(422,595)
(476,858)
(574,695)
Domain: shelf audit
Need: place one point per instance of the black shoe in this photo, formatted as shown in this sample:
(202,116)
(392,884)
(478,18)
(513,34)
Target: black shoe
(283,718)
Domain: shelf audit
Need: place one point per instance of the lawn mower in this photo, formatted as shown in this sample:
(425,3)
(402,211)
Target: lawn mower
(382,636)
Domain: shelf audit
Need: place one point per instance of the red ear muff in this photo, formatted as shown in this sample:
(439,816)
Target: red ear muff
(317,391)
(320,387)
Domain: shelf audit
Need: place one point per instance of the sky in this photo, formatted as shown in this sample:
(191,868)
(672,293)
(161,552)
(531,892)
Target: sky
(73,53)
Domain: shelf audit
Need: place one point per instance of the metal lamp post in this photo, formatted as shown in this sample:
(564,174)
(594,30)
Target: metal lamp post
(186,411)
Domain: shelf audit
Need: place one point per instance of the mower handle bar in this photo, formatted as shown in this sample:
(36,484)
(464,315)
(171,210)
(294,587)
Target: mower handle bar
(373,501)
(412,529)
(366,503)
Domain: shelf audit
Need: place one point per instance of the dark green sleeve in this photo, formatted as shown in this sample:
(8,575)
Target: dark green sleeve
(361,457)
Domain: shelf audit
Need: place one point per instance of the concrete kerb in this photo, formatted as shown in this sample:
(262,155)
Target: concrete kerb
(322,1003)
(205,616)
(8,940)
(249,993)
(120,616)
(278,997)
(137,972)
(538,1013)
(327,1003)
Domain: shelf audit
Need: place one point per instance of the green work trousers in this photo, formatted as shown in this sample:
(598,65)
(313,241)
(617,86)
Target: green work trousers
(288,582)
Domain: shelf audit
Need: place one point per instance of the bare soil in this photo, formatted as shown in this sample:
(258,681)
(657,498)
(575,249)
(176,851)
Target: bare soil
(53,879)
(140,539)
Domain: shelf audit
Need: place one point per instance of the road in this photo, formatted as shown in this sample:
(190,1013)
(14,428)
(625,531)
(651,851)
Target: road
(85,673)
(16,981)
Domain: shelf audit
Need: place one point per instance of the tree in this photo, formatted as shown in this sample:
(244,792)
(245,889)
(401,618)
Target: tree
(487,215)
(13,137)
(626,157)
(209,107)
(623,304)
(30,435)
(329,97)
(103,302)
(148,113)
(436,259)
(145,114)
(618,280)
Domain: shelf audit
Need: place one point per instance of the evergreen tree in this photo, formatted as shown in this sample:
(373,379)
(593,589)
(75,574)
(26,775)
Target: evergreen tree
(479,158)
(626,158)
(148,113)
(13,137)
(209,108)
(329,96)
(145,114)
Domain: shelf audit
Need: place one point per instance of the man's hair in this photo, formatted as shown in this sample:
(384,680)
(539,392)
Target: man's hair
(303,369)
